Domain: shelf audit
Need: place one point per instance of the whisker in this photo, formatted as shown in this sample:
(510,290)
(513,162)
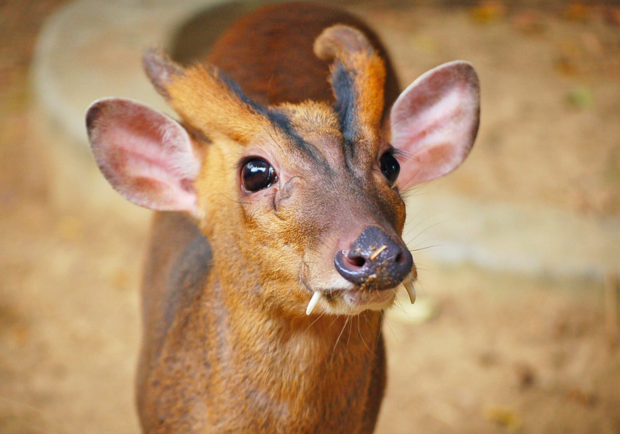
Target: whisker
(400,305)
(314,322)
(350,327)
(430,227)
(233,200)
(339,336)
(425,248)
(335,319)
(387,323)
(412,228)
(411,178)
(362,337)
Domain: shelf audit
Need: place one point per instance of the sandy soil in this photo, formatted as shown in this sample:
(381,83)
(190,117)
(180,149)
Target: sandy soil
(500,353)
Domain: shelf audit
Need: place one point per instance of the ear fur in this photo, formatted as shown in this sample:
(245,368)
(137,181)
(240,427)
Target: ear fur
(434,122)
(146,156)
(205,97)
(160,69)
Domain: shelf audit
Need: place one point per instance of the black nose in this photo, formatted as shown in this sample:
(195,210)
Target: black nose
(374,261)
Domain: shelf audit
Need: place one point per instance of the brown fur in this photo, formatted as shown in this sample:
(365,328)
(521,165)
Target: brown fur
(349,46)
(273,64)
(205,101)
(227,347)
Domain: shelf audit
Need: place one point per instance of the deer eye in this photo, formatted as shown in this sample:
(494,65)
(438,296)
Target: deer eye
(257,174)
(389,167)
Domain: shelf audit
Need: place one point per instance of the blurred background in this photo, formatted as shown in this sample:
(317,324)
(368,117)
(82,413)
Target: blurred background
(517,325)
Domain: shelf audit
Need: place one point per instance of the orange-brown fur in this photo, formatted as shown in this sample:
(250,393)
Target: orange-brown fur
(356,54)
(227,347)
(201,98)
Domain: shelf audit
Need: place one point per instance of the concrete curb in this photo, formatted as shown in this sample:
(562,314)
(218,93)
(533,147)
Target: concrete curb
(505,237)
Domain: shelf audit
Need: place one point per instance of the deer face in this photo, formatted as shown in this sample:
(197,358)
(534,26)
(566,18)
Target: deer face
(304,198)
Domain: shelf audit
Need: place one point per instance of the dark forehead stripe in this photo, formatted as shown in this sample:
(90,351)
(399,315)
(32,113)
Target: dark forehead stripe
(343,82)
(235,88)
(276,117)
(281,121)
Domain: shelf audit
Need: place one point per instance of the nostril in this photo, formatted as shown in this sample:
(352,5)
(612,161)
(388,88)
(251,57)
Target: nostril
(356,261)
(400,258)
(353,269)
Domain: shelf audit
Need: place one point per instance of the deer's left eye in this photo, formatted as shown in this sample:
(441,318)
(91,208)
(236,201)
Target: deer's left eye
(390,167)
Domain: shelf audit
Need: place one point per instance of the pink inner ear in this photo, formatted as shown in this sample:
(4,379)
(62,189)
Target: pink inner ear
(434,122)
(146,156)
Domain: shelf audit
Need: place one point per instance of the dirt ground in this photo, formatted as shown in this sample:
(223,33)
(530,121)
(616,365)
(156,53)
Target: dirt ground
(499,353)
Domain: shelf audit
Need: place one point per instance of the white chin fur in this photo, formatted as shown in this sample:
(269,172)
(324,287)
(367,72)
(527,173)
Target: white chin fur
(343,285)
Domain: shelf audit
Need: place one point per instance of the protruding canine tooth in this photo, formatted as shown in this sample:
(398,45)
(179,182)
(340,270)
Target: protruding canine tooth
(408,284)
(313,301)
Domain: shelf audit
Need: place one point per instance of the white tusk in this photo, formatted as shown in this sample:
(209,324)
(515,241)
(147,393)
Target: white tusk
(313,301)
(408,284)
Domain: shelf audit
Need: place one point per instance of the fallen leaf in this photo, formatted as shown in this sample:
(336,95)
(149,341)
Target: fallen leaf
(488,11)
(528,22)
(580,97)
(425,43)
(565,66)
(503,416)
(526,376)
(577,11)
(583,397)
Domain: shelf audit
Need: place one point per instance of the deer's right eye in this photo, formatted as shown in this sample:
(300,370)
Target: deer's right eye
(257,174)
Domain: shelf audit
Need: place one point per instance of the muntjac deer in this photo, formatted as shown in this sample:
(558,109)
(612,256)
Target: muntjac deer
(276,244)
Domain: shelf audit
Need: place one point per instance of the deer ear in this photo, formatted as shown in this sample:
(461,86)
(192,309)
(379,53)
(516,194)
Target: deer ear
(435,120)
(146,156)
